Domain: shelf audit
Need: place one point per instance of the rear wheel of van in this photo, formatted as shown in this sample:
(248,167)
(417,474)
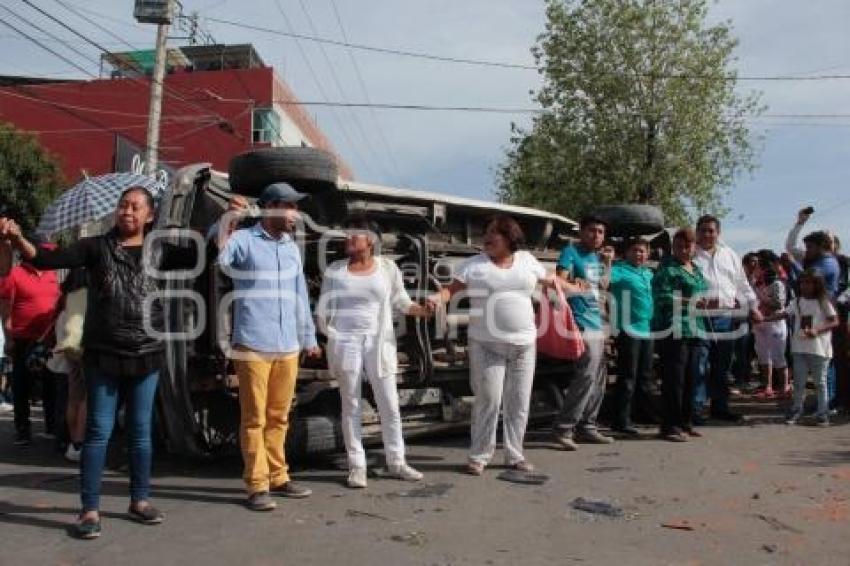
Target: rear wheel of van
(626,220)
(305,168)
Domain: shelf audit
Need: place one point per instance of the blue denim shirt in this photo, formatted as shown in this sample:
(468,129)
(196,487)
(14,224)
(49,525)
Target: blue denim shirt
(271,310)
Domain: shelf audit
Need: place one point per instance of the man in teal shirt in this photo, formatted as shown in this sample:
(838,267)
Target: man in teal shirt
(631,293)
(581,267)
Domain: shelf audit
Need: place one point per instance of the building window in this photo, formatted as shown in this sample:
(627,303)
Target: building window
(266,128)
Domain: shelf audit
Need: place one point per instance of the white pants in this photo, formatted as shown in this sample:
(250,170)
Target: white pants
(771,341)
(349,357)
(494,368)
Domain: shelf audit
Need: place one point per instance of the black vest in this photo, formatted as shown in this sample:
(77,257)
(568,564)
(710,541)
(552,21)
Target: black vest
(116,311)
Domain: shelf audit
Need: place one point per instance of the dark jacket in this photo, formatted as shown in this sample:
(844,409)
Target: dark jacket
(118,287)
(116,307)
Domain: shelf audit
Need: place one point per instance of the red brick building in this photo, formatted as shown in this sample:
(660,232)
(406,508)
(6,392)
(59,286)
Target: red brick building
(218,101)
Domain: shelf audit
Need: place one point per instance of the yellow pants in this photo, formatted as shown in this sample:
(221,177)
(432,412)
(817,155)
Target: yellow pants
(266,389)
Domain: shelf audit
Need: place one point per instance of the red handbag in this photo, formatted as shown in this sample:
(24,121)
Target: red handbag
(558,334)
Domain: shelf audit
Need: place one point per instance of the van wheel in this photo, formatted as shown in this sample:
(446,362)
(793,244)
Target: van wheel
(310,435)
(626,220)
(305,168)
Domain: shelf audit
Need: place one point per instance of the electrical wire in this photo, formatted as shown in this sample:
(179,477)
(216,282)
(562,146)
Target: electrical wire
(358,125)
(48,49)
(403,53)
(95,24)
(135,68)
(508,65)
(378,128)
(178,118)
(342,129)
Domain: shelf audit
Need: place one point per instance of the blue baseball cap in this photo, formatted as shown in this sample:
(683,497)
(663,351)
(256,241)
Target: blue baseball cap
(279,192)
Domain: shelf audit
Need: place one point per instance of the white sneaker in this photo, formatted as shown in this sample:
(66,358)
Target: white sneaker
(357,478)
(6,407)
(72,454)
(405,472)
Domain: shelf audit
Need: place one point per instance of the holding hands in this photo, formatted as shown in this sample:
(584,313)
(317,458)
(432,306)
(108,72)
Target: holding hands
(9,230)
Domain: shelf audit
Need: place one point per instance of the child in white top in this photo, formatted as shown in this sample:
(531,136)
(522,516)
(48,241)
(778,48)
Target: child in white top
(811,343)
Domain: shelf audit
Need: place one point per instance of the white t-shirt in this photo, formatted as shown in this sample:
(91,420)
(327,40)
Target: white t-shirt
(500,299)
(359,299)
(811,313)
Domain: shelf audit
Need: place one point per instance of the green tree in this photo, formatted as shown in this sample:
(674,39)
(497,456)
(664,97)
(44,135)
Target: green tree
(638,105)
(30,178)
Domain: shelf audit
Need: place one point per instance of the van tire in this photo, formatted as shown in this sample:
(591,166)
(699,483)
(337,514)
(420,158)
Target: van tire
(626,220)
(305,168)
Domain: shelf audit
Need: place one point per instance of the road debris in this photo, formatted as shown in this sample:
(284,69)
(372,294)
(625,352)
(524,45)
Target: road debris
(778,525)
(426,491)
(524,478)
(413,538)
(354,513)
(597,507)
(682,525)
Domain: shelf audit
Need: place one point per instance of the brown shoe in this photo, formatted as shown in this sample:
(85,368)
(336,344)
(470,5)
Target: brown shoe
(523,466)
(474,468)
(674,436)
(565,441)
(292,490)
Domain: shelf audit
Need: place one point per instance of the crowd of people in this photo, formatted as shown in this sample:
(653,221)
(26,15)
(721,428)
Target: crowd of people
(702,310)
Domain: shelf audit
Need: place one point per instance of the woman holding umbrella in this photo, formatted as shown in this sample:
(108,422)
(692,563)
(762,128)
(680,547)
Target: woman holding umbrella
(120,355)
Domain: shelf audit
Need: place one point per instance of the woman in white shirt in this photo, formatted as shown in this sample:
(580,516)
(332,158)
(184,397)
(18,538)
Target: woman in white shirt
(499,283)
(359,297)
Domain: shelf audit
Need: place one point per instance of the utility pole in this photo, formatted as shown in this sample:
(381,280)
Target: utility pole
(161,13)
(155,111)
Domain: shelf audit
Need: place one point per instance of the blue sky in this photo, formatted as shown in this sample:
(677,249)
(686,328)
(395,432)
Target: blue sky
(804,161)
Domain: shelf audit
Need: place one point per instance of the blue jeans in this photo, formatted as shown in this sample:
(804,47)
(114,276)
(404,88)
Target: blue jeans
(804,366)
(103,391)
(831,384)
(713,362)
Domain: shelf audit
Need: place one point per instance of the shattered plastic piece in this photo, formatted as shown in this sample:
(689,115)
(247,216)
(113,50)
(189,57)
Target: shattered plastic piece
(597,507)
(683,525)
(525,478)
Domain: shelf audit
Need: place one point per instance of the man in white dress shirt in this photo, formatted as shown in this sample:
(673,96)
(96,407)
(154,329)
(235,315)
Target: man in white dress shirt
(730,299)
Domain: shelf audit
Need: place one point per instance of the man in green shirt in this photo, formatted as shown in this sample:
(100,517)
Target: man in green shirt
(632,308)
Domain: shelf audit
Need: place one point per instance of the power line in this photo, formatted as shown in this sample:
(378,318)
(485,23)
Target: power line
(95,24)
(335,78)
(383,138)
(52,36)
(342,129)
(108,18)
(48,49)
(133,67)
(400,52)
(508,65)
(186,117)
(496,109)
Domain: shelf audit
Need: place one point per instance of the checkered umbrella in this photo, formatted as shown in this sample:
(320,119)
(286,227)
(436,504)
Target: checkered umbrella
(92,199)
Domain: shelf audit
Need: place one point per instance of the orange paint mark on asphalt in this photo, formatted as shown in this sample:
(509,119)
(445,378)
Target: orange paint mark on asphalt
(749,467)
(834,510)
(842,473)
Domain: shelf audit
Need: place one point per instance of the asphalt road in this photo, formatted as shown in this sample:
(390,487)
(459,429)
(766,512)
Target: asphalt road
(761,493)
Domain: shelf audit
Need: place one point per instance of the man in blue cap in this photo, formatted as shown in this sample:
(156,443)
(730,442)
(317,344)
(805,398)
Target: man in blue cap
(272,325)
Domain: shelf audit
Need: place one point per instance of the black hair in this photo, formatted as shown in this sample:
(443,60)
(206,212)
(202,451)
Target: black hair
(820,239)
(634,241)
(151,202)
(708,219)
(767,261)
(589,219)
(817,280)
